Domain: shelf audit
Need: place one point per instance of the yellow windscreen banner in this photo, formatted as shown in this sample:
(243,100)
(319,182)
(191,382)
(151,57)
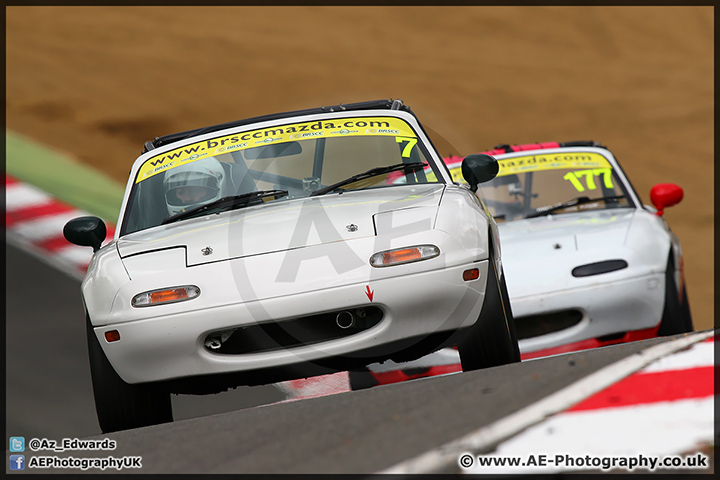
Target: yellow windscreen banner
(554,161)
(361,126)
(537,163)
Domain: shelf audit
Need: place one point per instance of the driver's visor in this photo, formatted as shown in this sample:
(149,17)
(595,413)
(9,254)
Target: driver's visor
(190,189)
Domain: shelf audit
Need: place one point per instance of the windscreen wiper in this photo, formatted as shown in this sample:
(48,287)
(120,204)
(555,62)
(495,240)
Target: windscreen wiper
(373,172)
(571,203)
(225,203)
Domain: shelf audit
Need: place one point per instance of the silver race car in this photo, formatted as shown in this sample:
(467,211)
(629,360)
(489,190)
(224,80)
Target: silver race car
(587,264)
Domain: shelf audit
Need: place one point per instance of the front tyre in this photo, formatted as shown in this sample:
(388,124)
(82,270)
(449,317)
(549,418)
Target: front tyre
(510,317)
(676,317)
(361,379)
(120,405)
(491,341)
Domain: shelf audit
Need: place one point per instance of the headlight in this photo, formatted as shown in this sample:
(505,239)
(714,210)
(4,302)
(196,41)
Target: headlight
(400,256)
(165,295)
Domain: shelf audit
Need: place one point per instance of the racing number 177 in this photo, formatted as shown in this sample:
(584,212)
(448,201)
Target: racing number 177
(574,178)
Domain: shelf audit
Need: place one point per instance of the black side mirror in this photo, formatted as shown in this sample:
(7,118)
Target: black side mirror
(86,232)
(479,168)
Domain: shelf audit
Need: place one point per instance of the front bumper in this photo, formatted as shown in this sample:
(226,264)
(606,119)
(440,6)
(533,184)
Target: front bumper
(608,308)
(167,347)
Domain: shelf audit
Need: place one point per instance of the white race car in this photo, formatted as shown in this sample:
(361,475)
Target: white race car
(277,248)
(587,264)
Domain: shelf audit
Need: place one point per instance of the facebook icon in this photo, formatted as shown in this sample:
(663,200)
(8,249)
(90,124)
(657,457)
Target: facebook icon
(17,462)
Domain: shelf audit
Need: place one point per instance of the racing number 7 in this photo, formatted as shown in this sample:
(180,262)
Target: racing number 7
(410,144)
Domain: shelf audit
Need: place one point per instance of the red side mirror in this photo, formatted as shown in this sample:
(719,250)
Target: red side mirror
(665,195)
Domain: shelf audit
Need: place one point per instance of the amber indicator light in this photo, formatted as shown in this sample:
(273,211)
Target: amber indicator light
(472,274)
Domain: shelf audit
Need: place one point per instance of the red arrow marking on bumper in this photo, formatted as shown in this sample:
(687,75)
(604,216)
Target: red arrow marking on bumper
(369,293)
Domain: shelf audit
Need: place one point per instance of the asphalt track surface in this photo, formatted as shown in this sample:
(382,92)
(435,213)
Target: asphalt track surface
(48,387)
(250,429)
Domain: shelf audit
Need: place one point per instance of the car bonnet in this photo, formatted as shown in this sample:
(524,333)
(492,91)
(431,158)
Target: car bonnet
(539,254)
(281,225)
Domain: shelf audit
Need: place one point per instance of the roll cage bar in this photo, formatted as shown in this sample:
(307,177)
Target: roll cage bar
(506,148)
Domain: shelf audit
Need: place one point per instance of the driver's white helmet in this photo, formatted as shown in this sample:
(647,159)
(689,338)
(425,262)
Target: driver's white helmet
(193,184)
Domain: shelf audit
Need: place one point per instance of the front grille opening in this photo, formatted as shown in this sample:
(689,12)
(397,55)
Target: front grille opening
(296,332)
(536,325)
(599,267)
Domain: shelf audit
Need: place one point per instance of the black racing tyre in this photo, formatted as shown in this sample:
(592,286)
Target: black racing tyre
(492,341)
(685,311)
(676,316)
(361,379)
(120,405)
(509,316)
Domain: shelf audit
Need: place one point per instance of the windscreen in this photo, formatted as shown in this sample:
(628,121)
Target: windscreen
(537,185)
(556,183)
(300,158)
